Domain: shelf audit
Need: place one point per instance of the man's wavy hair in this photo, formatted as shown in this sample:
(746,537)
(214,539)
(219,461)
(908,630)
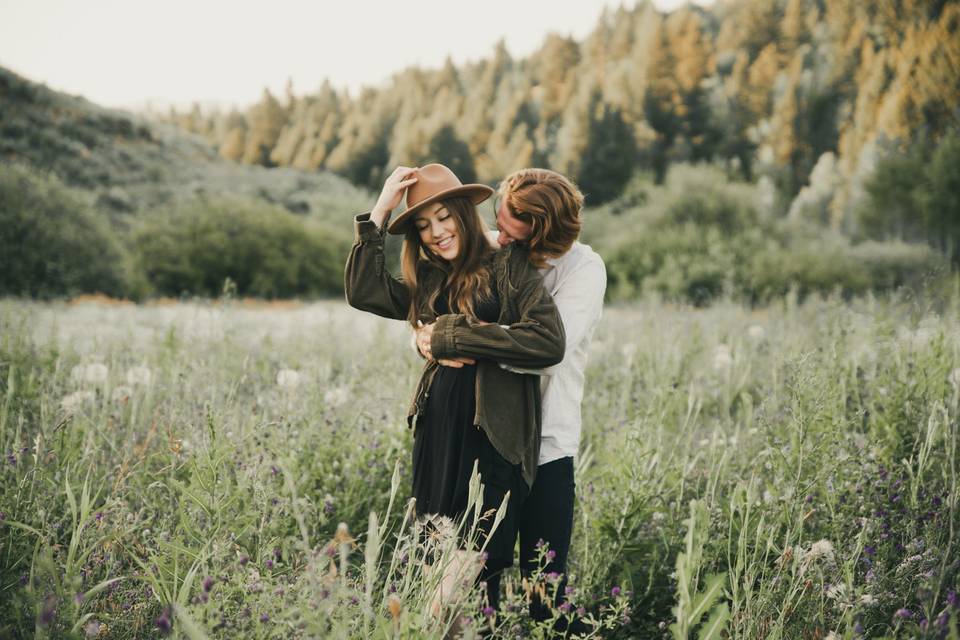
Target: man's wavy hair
(550,203)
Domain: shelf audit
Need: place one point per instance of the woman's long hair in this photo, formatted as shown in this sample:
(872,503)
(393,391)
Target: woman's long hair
(468,278)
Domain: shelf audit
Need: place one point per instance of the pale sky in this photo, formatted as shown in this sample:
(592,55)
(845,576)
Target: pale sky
(130,53)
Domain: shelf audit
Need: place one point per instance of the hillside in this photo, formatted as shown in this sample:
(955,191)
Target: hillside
(129,164)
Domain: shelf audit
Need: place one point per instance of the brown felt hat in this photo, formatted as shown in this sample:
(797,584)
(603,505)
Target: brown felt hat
(435,182)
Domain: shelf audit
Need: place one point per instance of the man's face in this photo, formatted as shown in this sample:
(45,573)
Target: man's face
(510,227)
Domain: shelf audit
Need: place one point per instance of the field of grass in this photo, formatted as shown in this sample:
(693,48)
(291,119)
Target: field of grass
(232,470)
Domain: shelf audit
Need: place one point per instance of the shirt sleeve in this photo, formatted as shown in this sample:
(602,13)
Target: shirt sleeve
(580,302)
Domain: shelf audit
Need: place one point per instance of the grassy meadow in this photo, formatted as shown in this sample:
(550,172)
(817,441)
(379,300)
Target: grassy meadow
(235,469)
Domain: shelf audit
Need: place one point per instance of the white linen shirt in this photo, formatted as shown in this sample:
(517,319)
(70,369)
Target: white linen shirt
(577,280)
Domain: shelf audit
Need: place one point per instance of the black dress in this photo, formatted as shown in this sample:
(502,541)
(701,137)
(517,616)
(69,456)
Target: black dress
(447,443)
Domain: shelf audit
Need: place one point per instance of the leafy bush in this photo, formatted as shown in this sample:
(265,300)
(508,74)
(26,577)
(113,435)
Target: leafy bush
(915,195)
(699,238)
(264,250)
(53,243)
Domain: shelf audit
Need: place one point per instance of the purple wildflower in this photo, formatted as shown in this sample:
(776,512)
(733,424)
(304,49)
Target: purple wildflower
(489,611)
(870,550)
(268,564)
(78,598)
(581,611)
(264,617)
(615,592)
(942,620)
(12,459)
(49,611)
(566,607)
(163,622)
(952,599)
(208,583)
(3,516)
(244,559)
(551,554)
(903,613)
(858,628)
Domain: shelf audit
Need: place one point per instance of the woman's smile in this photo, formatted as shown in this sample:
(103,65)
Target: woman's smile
(438,231)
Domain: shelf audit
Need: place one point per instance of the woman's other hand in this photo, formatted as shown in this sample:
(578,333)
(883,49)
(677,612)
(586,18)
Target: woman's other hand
(393,189)
(424,335)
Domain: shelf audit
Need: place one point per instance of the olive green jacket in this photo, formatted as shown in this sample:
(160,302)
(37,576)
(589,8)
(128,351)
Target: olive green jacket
(529,334)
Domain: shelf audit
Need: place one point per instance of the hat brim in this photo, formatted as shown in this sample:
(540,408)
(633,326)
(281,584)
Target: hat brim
(476,192)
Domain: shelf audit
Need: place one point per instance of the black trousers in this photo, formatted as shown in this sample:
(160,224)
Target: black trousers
(547,515)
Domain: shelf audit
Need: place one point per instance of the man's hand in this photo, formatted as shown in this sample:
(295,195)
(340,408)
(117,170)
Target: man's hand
(424,335)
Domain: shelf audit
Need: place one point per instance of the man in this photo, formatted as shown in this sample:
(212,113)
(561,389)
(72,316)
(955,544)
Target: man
(541,208)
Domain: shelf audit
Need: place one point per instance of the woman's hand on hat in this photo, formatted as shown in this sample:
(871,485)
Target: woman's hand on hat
(393,189)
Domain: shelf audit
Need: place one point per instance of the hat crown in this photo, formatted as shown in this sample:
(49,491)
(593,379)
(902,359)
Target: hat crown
(431,180)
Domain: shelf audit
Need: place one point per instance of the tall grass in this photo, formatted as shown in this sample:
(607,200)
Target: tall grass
(221,470)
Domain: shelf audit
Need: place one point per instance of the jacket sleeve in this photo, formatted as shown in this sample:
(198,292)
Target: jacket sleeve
(368,284)
(579,299)
(535,340)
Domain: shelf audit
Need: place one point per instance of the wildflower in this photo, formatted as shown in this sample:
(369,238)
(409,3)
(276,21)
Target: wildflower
(566,607)
(328,504)
(581,611)
(858,628)
(78,598)
(819,550)
(94,373)
(551,554)
(244,559)
(722,358)
(488,611)
(49,611)
(120,394)
(952,599)
(903,613)
(395,606)
(942,619)
(954,378)
(208,584)
(264,617)
(75,401)
(615,592)
(870,551)
(163,622)
(3,516)
(139,376)
(288,378)
(336,396)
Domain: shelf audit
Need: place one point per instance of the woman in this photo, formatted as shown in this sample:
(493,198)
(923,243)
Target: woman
(488,308)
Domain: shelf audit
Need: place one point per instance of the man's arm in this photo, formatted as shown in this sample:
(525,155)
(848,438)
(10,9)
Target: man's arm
(580,302)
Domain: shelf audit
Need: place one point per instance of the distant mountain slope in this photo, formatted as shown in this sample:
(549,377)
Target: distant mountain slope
(131,164)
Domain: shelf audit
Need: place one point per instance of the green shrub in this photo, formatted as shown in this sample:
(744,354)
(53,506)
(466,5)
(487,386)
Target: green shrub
(53,243)
(264,250)
(700,237)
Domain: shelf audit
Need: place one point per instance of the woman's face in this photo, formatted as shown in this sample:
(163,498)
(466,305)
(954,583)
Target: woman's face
(438,231)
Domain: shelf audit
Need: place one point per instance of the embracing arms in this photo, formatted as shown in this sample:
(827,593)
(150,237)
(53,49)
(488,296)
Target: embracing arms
(535,339)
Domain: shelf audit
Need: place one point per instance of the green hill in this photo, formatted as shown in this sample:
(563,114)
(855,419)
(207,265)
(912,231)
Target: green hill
(130,164)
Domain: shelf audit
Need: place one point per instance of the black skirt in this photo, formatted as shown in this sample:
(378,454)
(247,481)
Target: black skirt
(446,446)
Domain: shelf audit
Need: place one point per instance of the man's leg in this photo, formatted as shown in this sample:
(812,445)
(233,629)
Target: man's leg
(547,515)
